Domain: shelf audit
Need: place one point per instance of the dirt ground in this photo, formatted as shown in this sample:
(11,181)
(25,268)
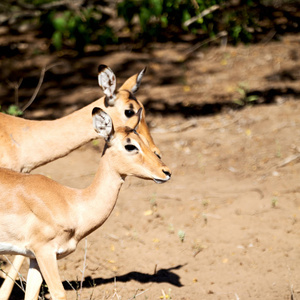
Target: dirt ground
(226,226)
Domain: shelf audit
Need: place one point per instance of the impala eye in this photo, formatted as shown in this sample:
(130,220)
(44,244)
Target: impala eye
(129,113)
(130,148)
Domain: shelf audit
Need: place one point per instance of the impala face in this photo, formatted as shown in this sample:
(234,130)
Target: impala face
(130,155)
(122,105)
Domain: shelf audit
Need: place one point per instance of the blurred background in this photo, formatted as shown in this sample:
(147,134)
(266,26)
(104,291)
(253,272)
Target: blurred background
(40,40)
(221,94)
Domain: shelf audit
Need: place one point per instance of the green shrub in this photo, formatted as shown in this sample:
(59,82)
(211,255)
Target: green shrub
(76,29)
(158,18)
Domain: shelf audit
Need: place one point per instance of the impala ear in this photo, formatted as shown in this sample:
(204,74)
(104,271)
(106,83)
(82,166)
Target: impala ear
(107,82)
(133,83)
(102,123)
(135,120)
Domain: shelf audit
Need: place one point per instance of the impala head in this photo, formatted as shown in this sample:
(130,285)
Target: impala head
(128,153)
(122,105)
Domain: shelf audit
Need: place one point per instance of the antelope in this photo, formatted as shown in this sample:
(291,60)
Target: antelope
(44,220)
(25,146)
(28,144)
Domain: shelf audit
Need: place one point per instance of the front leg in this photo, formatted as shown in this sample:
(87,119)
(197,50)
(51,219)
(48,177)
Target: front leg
(10,279)
(47,262)
(34,281)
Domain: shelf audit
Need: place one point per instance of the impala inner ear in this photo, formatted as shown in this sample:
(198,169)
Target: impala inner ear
(102,123)
(107,82)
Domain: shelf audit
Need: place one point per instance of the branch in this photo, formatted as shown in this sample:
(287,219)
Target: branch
(201,15)
(37,89)
(222,35)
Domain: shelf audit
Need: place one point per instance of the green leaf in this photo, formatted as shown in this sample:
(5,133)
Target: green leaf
(185,16)
(60,24)
(241,91)
(164,21)
(14,110)
(252,98)
(57,40)
(236,31)
(156,6)
(145,15)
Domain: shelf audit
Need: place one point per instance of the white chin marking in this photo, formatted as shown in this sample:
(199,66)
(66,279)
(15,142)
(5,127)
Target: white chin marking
(159,180)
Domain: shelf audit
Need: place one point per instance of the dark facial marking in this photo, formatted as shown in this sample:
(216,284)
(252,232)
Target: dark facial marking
(132,97)
(128,130)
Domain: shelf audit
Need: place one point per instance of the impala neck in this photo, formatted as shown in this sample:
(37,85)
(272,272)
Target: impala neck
(99,199)
(55,139)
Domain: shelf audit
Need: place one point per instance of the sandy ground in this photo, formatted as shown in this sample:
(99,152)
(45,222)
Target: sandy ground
(227,224)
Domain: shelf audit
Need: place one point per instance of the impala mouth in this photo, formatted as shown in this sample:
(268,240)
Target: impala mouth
(159,181)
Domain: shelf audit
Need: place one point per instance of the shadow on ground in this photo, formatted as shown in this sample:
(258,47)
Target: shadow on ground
(162,275)
(269,96)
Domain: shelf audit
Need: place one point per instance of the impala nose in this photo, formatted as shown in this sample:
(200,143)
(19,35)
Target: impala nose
(160,180)
(167,173)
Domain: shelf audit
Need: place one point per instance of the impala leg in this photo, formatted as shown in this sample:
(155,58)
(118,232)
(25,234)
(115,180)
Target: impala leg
(48,265)
(10,279)
(34,281)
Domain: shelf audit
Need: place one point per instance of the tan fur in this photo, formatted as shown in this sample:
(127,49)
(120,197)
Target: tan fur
(47,219)
(26,144)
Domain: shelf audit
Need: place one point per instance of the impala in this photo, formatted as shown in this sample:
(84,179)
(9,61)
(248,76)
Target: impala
(27,144)
(43,220)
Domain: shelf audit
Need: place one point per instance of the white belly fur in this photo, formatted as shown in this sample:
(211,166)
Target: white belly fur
(6,248)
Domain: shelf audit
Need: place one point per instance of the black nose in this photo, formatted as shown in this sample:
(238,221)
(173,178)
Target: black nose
(167,173)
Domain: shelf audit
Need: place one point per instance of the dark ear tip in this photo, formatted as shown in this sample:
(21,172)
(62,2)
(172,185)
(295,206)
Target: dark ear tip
(101,68)
(96,110)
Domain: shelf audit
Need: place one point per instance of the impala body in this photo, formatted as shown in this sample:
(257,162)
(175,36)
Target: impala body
(28,144)
(43,220)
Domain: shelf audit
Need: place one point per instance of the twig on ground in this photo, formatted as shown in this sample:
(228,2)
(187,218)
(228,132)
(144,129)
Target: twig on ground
(222,34)
(84,267)
(112,236)
(236,296)
(176,128)
(223,126)
(115,290)
(268,37)
(70,285)
(138,294)
(289,160)
(292,293)
(155,269)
